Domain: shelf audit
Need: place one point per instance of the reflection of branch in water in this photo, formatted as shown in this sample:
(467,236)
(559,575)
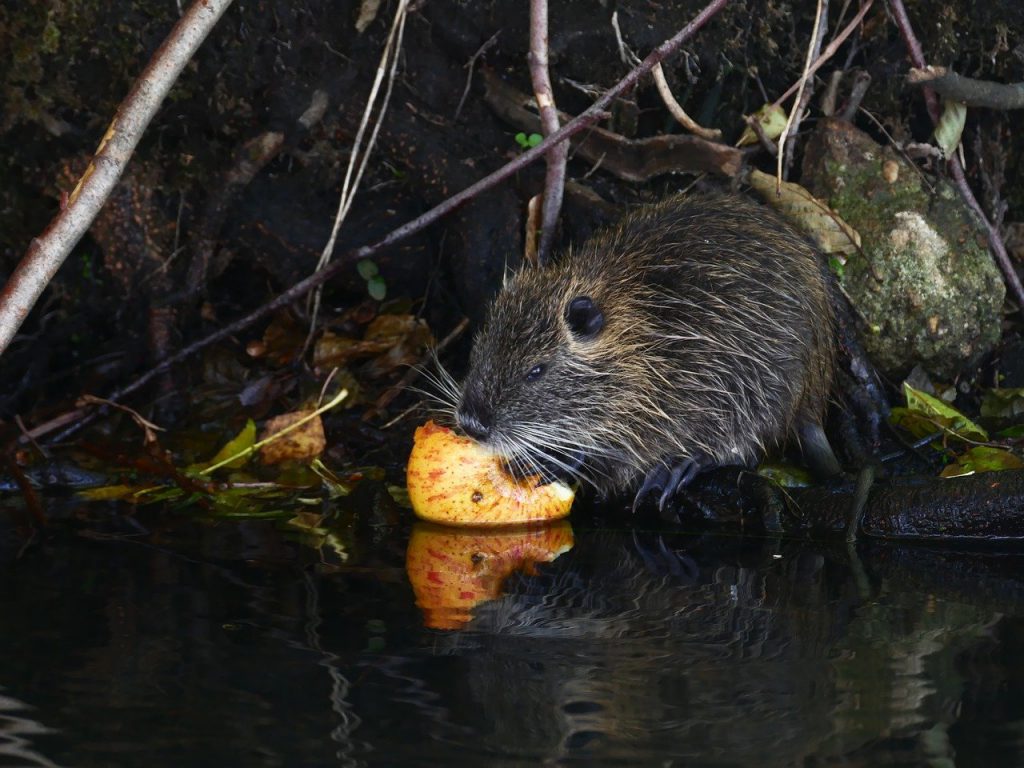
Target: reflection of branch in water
(15,733)
(349,721)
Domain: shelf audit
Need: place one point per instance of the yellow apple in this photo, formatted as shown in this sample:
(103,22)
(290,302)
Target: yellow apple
(454,481)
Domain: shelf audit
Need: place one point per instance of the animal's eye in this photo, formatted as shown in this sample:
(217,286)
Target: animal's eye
(584,317)
(536,372)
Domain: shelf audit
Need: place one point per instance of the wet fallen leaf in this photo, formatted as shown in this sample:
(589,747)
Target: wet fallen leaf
(983,458)
(236,445)
(304,442)
(813,217)
(284,339)
(336,487)
(925,414)
(786,475)
(408,337)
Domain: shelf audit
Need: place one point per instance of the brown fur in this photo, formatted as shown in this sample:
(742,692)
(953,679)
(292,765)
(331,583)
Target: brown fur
(718,340)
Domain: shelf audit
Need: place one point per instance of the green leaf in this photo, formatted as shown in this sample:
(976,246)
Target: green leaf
(772,120)
(1013,433)
(521,140)
(913,422)
(1003,403)
(786,475)
(367,269)
(983,458)
(377,287)
(534,139)
(239,442)
(400,496)
(950,127)
(943,415)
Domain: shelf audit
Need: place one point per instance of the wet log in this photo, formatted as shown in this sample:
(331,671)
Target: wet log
(987,507)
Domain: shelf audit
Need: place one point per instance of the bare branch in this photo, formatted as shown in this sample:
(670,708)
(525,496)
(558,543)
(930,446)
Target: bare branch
(49,250)
(554,179)
(973,93)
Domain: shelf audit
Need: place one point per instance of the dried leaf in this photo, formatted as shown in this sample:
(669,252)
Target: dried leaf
(301,443)
(367,13)
(284,339)
(815,219)
(333,351)
(771,118)
(950,127)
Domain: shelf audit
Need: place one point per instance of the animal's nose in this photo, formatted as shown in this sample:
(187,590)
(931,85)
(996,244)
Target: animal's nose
(474,424)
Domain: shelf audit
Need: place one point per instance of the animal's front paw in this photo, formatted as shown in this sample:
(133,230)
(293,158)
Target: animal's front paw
(665,480)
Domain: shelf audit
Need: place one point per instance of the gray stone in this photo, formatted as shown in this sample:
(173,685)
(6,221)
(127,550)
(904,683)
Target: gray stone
(924,280)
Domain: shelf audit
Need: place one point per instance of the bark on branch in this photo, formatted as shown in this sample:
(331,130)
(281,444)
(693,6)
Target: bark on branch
(48,251)
(973,93)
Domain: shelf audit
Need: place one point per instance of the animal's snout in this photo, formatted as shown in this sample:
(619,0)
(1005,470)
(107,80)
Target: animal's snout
(474,421)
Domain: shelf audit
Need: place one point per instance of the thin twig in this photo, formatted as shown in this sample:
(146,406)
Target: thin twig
(673,106)
(819,20)
(471,65)
(350,185)
(421,222)
(554,178)
(830,50)
(47,252)
(808,90)
(955,168)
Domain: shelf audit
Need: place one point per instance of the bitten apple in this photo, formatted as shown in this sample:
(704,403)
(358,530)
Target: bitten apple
(454,481)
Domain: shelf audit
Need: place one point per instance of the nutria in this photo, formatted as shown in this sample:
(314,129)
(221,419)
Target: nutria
(698,332)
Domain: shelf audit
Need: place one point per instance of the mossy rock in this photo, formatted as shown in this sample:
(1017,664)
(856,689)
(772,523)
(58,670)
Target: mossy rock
(924,280)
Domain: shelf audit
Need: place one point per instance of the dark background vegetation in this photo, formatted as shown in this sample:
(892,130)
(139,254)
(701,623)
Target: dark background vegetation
(68,65)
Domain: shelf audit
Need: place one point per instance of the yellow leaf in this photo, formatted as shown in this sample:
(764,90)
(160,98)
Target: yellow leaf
(813,217)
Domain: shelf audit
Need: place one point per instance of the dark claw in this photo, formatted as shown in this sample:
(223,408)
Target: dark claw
(668,480)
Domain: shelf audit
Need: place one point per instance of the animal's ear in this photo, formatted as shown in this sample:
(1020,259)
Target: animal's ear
(584,317)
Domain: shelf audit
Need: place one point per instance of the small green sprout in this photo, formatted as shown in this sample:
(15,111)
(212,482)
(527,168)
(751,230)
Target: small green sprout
(375,284)
(528,141)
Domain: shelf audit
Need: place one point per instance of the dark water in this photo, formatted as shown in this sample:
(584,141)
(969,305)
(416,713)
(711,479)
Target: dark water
(162,641)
